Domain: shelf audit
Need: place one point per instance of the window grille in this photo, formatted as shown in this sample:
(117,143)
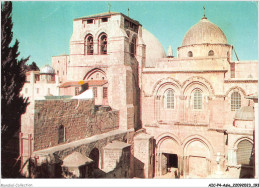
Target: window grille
(197,99)
(235,101)
(170,99)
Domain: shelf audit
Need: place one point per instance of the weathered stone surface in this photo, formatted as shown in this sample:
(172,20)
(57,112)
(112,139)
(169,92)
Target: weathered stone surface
(78,117)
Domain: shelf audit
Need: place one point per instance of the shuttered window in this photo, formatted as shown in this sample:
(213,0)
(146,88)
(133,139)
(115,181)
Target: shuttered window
(244,152)
(104,92)
(61,133)
(95,91)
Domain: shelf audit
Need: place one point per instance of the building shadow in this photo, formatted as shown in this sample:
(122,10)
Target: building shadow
(138,168)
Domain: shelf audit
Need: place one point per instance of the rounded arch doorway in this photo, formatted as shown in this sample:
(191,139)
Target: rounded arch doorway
(197,158)
(169,157)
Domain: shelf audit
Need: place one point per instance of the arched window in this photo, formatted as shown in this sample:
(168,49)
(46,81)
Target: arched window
(190,54)
(211,53)
(235,101)
(197,99)
(133,47)
(103,44)
(244,152)
(89,45)
(61,133)
(170,99)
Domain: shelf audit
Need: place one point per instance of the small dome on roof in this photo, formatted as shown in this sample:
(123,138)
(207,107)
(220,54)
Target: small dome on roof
(154,49)
(245,113)
(204,32)
(47,69)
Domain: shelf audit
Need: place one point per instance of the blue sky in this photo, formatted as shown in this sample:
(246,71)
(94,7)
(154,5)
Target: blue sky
(44,28)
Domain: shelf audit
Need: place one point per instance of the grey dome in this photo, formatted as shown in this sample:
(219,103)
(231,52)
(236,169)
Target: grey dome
(204,32)
(47,69)
(245,113)
(154,49)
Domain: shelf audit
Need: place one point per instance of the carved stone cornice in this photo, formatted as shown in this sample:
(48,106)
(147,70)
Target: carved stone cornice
(240,81)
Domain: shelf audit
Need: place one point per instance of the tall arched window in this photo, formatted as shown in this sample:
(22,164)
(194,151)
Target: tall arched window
(89,45)
(211,53)
(190,54)
(170,99)
(61,133)
(103,44)
(244,152)
(197,99)
(133,47)
(235,101)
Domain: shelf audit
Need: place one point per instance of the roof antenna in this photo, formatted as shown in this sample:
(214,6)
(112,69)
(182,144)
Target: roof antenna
(109,6)
(128,12)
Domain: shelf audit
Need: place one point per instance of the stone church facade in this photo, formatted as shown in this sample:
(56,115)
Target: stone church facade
(151,114)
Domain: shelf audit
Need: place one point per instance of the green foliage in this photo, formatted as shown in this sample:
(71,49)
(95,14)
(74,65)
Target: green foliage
(12,79)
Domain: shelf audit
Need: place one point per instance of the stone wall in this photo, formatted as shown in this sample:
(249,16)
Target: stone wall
(116,160)
(80,119)
(85,147)
(143,155)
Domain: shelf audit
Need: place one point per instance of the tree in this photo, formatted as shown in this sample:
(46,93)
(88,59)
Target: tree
(12,80)
(34,67)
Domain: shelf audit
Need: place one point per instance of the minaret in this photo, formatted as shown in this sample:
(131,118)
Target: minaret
(170,53)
